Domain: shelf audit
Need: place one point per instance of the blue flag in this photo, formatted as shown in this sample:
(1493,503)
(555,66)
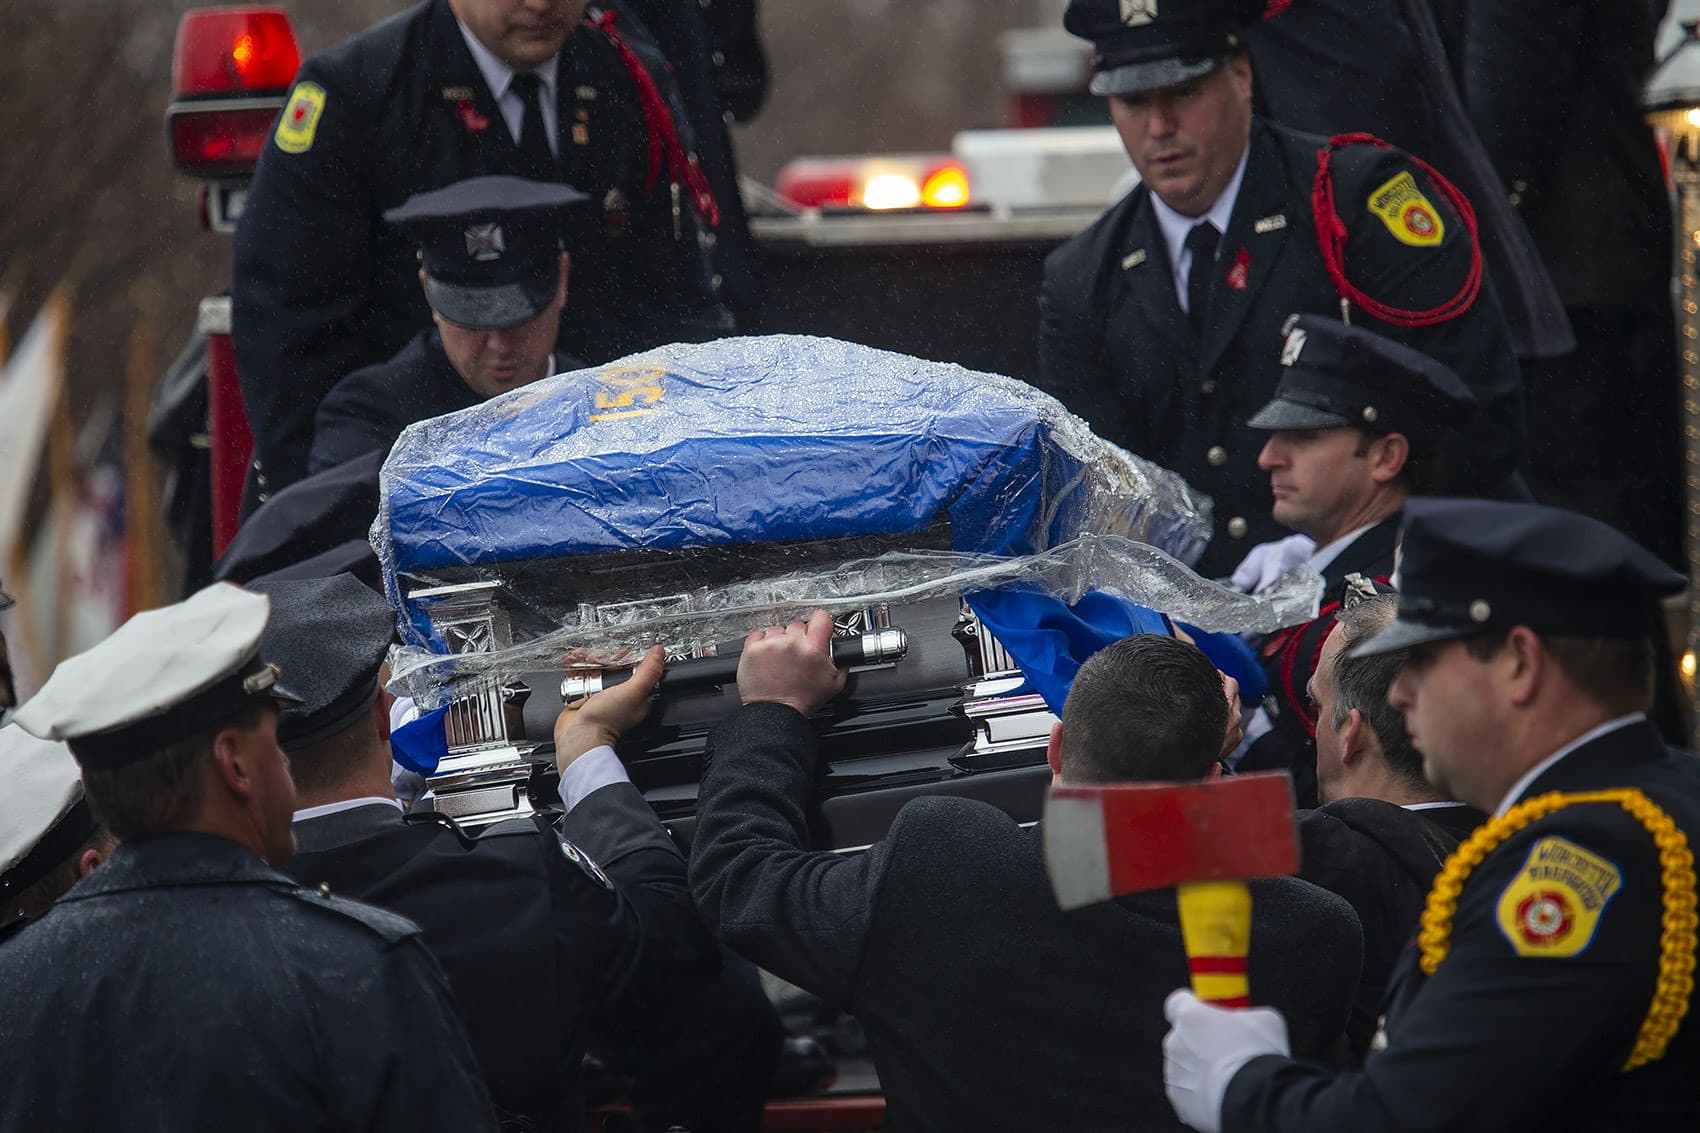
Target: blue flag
(421,744)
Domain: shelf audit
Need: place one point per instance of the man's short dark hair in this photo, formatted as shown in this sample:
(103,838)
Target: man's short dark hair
(162,792)
(1362,683)
(1147,707)
(1615,672)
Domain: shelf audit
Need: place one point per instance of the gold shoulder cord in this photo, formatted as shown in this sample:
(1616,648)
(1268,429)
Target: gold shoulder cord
(1677,928)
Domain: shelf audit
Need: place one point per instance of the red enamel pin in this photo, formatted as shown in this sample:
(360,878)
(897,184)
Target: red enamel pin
(474,122)
(1240,272)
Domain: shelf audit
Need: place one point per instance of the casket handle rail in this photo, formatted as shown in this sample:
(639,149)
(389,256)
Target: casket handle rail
(706,674)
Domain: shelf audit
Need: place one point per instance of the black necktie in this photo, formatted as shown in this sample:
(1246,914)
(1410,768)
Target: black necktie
(534,150)
(1201,242)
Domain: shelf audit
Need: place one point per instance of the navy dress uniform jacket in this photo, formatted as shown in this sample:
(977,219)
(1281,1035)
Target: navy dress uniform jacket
(322,286)
(985,1006)
(368,410)
(186,985)
(538,942)
(1116,348)
(1495,1040)
(1382,859)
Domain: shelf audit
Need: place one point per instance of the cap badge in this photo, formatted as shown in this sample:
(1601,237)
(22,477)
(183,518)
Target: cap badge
(1480,611)
(1371,414)
(484,242)
(1293,347)
(1138,13)
(262,680)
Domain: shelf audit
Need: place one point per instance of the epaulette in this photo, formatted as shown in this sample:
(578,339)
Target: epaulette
(390,927)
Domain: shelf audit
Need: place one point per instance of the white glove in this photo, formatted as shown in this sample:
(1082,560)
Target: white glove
(1266,562)
(1205,1048)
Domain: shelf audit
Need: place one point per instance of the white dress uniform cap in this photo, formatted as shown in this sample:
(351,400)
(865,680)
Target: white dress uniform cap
(42,787)
(193,660)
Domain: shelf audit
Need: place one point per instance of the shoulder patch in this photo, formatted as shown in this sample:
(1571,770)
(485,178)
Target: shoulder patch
(583,860)
(1554,904)
(300,118)
(1409,215)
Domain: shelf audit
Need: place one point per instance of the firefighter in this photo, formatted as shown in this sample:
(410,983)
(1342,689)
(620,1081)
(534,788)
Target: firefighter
(186,984)
(1551,983)
(448,90)
(48,836)
(495,273)
(1161,323)
(1354,429)
(592,915)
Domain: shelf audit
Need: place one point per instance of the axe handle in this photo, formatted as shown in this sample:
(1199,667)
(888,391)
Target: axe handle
(1216,930)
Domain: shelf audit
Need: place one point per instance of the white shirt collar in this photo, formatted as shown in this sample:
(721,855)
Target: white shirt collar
(498,75)
(1175,226)
(345,804)
(1535,772)
(1429,806)
(1322,556)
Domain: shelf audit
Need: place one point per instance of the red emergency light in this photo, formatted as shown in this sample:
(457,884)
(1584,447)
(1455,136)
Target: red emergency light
(917,181)
(230,71)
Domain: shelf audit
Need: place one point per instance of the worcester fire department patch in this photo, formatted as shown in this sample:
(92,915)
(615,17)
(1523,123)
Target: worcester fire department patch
(300,118)
(1553,905)
(1407,213)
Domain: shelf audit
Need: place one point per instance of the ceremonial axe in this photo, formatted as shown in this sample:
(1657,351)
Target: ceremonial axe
(1206,839)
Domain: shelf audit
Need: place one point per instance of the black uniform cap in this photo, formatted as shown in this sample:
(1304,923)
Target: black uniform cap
(1144,45)
(1333,374)
(335,633)
(490,246)
(314,528)
(1475,566)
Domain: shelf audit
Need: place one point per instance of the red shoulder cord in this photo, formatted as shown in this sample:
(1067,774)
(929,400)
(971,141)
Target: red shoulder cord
(1286,643)
(1275,7)
(1288,647)
(1331,239)
(663,135)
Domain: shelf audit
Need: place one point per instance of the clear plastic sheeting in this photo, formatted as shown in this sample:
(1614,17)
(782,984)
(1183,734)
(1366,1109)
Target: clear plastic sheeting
(693,492)
(685,623)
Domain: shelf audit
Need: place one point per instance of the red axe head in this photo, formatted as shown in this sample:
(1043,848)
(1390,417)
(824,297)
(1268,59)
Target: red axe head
(1106,840)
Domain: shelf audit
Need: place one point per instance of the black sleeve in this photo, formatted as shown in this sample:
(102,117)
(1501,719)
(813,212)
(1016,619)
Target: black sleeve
(803,915)
(1494,1040)
(301,261)
(619,876)
(698,1034)
(345,427)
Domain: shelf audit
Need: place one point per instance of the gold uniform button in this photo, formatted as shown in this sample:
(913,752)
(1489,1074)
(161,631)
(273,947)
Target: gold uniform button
(1217,456)
(1237,527)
